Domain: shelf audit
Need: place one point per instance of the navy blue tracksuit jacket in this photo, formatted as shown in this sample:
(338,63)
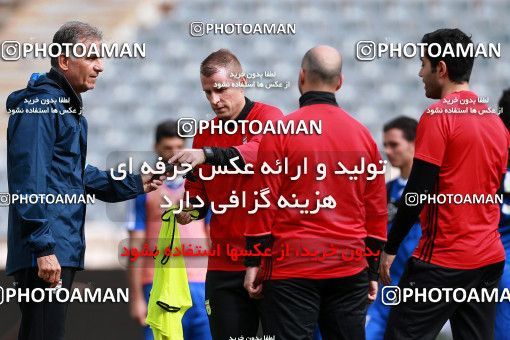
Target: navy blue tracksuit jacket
(46,154)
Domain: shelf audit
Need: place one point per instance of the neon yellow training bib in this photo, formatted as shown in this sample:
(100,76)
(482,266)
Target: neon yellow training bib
(170,297)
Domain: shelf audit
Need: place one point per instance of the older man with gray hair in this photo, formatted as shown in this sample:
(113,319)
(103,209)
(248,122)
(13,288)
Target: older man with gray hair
(46,155)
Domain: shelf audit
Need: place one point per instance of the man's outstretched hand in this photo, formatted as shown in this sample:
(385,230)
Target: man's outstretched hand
(189,156)
(150,183)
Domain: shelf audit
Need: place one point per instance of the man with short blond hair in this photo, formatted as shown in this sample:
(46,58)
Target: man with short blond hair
(231,311)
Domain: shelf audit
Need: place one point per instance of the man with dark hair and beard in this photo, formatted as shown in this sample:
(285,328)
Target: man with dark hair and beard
(461,148)
(502,328)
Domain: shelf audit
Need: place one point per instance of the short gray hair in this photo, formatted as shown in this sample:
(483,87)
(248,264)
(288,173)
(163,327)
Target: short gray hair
(72,32)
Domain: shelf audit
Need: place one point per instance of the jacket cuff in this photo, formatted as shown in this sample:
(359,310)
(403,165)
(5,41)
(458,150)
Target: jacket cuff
(373,276)
(391,248)
(374,247)
(209,154)
(45,252)
(262,242)
(139,185)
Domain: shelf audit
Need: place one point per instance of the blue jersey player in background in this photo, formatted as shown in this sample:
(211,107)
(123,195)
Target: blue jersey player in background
(144,224)
(502,330)
(399,136)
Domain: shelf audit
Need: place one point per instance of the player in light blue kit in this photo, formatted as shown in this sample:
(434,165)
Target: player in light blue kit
(144,225)
(502,330)
(399,136)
